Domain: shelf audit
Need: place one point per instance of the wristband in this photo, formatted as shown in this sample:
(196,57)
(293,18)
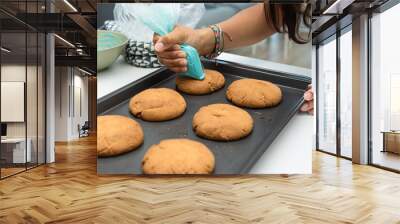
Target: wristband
(219,42)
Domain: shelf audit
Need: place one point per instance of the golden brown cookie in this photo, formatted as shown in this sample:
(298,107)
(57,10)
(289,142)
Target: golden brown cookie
(254,93)
(212,82)
(178,156)
(222,122)
(157,104)
(117,134)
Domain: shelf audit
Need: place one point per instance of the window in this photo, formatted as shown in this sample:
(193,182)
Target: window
(346,94)
(335,106)
(327,97)
(385,89)
(394,101)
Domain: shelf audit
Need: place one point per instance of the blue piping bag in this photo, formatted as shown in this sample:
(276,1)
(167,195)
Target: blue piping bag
(161,19)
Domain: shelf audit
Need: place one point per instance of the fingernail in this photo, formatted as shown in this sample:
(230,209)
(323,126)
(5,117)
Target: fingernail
(183,62)
(184,69)
(182,55)
(159,46)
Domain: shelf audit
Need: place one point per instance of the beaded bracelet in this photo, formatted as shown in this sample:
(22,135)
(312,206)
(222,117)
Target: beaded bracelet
(219,42)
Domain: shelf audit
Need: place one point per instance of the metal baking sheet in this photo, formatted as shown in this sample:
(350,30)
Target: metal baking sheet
(235,157)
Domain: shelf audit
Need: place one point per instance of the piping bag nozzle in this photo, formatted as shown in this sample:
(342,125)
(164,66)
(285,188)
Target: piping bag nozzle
(194,66)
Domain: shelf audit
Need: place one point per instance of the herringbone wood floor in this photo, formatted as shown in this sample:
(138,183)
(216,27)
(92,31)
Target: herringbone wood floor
(69,191)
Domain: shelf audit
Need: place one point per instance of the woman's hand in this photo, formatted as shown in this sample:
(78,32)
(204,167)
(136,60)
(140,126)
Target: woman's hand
(170,54)
(308,105)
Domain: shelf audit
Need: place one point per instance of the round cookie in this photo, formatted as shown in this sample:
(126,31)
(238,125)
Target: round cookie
(157,104)
(222,122)
(212,82)
(253,93)
(178,156)
(117,134)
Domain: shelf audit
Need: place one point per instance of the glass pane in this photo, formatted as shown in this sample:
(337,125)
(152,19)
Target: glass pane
(346,94)
(386,89)
(23,89)
(31,99)
(327,97)
(41,99)
(13,87)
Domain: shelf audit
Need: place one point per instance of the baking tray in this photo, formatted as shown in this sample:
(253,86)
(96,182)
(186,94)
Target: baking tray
(235,157)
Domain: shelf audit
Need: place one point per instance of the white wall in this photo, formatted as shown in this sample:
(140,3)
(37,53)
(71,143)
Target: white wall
(81,100)
(16,73)
(33,126)
(61,103)
(70,83)
(13,99)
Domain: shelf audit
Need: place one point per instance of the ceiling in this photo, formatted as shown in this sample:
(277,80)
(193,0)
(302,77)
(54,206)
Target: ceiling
(332,15)
(72,20)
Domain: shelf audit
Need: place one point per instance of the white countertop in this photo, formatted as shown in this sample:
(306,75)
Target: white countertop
(291,151)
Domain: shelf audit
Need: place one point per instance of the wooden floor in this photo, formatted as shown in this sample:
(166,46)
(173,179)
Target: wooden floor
(69,191)
(10,171)
(387,159)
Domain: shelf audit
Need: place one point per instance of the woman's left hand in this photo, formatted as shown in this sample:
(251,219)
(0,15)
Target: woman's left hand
(308,105)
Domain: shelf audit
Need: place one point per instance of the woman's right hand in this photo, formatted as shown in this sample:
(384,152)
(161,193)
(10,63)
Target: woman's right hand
(169,52)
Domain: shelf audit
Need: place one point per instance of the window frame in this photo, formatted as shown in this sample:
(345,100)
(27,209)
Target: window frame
(379,10)
(382,8)
(334,37)
(31,30)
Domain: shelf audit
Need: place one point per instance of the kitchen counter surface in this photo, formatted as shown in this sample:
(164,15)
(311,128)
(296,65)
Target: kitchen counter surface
(291,151)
